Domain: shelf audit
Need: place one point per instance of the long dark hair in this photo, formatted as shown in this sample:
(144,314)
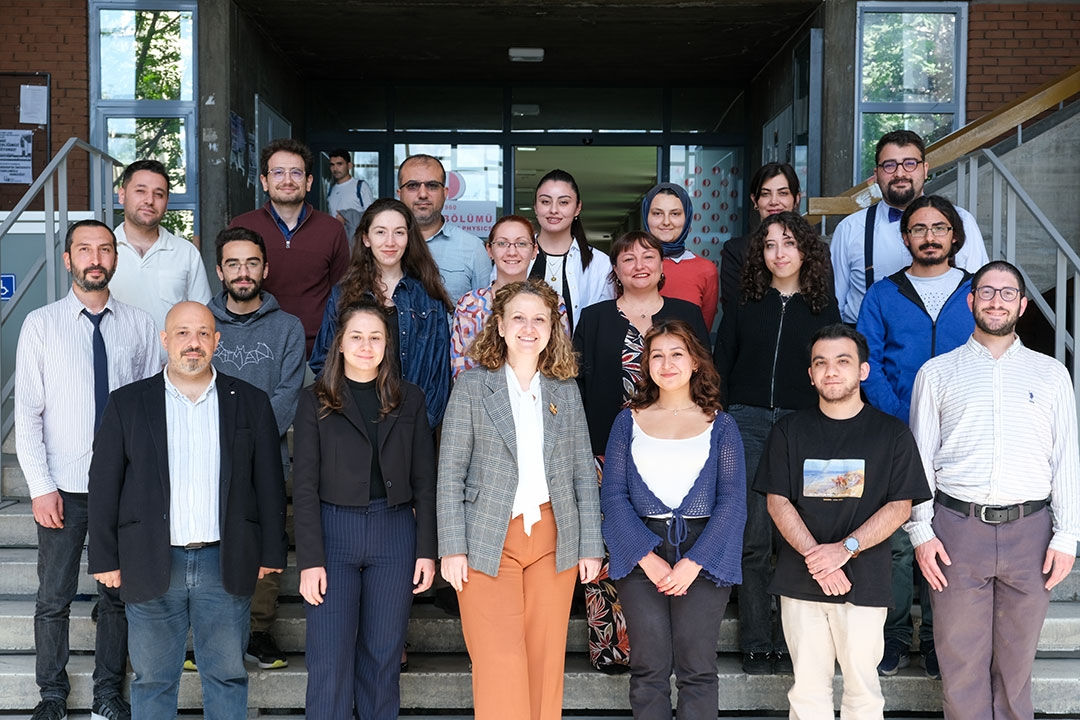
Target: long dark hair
(813,275)
(704,383)
(576,228)
(362,276)
(330,387)
(946,208)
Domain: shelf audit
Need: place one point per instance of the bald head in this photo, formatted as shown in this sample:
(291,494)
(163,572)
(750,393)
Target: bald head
(190,339)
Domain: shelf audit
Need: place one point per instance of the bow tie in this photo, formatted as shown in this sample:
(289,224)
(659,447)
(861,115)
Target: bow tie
(895,214)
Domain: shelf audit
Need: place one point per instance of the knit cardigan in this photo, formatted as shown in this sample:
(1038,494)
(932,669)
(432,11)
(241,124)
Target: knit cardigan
(719,492)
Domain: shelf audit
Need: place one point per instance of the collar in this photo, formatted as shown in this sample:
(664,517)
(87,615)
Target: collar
(164,238)
(74,306)
(444,231)
(982,351)
(684,255)
(172,389)
(514,387)
(279,221)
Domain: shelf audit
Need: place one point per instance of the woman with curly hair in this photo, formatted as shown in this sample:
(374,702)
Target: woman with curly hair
(391,264)
(674,505)
(762,355)
(517,503)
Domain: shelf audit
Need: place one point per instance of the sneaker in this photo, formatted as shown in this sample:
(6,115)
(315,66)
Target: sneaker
(930,663)
(50,709)
(757,663)
(112,708)
(189,661)
(781,663)
(895,658)
(263,651)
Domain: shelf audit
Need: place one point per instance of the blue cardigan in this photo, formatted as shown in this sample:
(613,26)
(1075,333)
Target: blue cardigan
(718,492)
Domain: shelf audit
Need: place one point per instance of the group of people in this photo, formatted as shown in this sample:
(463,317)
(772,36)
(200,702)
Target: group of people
(523,413)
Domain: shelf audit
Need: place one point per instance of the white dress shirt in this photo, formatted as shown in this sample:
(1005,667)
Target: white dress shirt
(532,489)
(588,286)
(54,385)
(194,464)
(998,432)
(890,254)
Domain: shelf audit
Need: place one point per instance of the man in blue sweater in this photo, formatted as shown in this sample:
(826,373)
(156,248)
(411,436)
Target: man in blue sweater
(907,318)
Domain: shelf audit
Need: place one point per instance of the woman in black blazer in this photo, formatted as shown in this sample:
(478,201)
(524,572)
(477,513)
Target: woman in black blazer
(364,518)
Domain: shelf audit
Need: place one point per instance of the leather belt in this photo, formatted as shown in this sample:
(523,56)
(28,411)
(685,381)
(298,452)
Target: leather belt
(198,545)
(992,514)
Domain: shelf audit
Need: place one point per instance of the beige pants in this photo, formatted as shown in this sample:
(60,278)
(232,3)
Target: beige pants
(818,635)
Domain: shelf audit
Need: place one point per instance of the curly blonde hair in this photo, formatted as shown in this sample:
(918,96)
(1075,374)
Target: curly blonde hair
(557,360)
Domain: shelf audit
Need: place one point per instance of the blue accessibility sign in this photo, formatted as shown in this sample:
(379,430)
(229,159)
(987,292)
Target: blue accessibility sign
(7,286)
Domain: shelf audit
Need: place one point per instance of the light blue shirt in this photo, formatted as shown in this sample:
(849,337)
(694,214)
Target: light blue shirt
(462,259)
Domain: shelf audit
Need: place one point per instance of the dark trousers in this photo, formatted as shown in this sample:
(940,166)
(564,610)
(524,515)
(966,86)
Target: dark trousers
(354,638)
(673,634)
(898,624)
(990,615)
(59,556)
(264,603)
(760,627)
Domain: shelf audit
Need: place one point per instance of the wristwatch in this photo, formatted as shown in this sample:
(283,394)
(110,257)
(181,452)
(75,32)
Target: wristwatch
(852,546)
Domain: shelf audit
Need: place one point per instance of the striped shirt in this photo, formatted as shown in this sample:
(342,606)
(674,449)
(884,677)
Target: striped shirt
(998,432)
(54,385)
(194,463)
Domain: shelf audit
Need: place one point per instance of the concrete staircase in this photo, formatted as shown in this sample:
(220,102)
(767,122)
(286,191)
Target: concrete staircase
(438,680)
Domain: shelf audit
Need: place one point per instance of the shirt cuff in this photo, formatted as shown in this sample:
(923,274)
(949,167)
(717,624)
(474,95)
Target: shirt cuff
(919,532)
(1064,542)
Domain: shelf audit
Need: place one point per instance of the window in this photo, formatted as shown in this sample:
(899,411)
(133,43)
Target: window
(911,60)
(714,178)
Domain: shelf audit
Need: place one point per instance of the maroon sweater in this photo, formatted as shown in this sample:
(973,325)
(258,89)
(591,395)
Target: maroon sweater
(303,268)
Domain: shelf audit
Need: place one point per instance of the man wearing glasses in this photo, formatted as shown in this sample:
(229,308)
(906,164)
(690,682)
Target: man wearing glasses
(463,262)
(996,427)
(867,246)
(907,318)
(308,247)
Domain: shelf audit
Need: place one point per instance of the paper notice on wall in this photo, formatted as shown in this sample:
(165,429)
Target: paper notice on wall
(16,152)
(472,216)
(33,104)
(252,160)
(237,142)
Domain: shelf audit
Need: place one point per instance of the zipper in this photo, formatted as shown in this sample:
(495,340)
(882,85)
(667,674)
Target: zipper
(776,350)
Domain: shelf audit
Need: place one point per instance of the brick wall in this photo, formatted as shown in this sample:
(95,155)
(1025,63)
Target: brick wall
(1015,47)
(48,36)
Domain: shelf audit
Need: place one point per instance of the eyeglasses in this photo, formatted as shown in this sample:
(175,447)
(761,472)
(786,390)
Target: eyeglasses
(414,186)
(520,245)
(909,164)
(919,231)
(279,173)
(233,266)
(986,293)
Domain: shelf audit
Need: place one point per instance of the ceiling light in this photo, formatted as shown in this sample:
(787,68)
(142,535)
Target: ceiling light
(524,110)
(527,149)
(526,54)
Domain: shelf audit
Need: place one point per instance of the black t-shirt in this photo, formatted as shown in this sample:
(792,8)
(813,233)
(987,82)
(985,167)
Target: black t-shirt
(837,474)
(367,401)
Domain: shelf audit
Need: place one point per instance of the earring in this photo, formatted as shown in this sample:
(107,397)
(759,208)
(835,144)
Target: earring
(662,278)
(618,282)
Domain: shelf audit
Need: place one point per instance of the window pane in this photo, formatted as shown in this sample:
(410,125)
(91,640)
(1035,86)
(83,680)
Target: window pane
(479,195)
(931,127)
(146,55)
(586,109)
(446,107)
(365,167)
(908,57)
(704,109)
(164,139)
(714,178)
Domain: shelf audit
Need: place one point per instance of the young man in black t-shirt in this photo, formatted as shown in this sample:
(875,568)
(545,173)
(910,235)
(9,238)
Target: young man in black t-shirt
(839,479)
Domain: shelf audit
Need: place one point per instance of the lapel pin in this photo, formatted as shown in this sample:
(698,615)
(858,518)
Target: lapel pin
(554,410)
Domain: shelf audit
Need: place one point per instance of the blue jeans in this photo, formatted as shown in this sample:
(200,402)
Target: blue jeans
(898,623)
(157,636)
(59,553)
(759,629)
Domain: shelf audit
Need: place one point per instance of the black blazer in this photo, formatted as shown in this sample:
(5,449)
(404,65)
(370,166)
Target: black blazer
(598,340)
(332,459)
(129,489)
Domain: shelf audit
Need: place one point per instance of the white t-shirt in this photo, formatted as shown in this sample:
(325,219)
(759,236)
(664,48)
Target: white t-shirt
(343,196)
(669,467)
(934,291)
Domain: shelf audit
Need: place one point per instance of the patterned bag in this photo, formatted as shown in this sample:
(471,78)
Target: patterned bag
(609,644)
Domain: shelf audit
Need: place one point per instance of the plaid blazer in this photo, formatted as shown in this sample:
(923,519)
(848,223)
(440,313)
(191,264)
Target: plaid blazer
(478,471)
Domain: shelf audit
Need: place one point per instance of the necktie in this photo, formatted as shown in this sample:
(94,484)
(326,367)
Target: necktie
(895,214)
(101,367)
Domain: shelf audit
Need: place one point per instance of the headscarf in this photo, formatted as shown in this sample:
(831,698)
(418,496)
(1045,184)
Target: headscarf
(676,248)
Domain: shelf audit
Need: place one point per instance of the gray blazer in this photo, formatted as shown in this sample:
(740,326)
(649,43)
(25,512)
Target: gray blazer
(478,471)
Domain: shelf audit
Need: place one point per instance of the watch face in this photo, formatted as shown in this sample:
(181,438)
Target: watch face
(851,544)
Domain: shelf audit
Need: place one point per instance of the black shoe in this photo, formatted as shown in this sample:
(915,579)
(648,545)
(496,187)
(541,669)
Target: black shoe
(112,708)
(50,709)
(930,663)
(895,658)
(405,658)
(781,663)
(263,651)
(189,661)
(757,663)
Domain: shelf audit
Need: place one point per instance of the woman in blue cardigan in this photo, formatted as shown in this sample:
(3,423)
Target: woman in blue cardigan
(674,506)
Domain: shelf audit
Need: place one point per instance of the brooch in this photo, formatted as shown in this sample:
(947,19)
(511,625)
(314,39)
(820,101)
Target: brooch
(554,410)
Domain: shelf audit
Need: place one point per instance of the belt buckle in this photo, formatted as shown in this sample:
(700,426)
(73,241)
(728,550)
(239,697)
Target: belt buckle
(993,508)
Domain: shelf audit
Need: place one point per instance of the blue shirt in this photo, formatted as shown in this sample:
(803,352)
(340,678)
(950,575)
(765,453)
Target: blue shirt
(462,259)
(281,223)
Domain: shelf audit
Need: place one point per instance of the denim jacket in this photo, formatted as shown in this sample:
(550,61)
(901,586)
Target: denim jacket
(423,342)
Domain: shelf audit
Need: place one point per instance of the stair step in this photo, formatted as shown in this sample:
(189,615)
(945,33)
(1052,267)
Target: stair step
(12,480)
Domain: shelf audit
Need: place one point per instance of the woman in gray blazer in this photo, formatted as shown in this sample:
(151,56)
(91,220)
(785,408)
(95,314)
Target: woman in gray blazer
(518,504)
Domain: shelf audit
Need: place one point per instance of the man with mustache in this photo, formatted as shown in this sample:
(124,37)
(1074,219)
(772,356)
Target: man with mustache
(71,353)
(907,318)
(866,246)
(155,269)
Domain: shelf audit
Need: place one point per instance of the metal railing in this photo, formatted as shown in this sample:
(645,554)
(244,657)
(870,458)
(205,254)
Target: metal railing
(52,186)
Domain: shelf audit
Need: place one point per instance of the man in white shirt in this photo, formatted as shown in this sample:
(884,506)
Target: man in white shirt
(71,353)
(996,427)
(866,246)
(349,196)
(462,259)
(155,269)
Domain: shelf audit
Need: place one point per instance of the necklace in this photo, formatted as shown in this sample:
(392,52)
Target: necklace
(676,411)
(624,306)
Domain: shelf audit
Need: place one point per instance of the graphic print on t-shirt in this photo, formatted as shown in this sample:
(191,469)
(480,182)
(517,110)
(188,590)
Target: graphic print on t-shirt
(834,478)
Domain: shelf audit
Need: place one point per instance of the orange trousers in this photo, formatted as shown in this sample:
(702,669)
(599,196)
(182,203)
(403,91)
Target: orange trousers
(515,627)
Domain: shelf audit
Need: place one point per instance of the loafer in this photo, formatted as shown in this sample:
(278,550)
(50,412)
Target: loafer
(895,658)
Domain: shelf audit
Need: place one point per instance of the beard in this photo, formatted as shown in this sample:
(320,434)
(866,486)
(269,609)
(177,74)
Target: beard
(240,294)
(929,261)
(1005,329)
(93,285)
(899,198)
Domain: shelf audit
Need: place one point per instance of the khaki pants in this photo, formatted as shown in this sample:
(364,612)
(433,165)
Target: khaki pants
(819,634)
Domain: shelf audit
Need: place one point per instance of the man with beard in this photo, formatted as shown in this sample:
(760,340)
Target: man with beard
(264,345)
(463,261)
(840,478)
(348,195)
(867,246)
(155,269)
(996,427)
(71,353)
(907,318)
(187,511)
(308,247)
